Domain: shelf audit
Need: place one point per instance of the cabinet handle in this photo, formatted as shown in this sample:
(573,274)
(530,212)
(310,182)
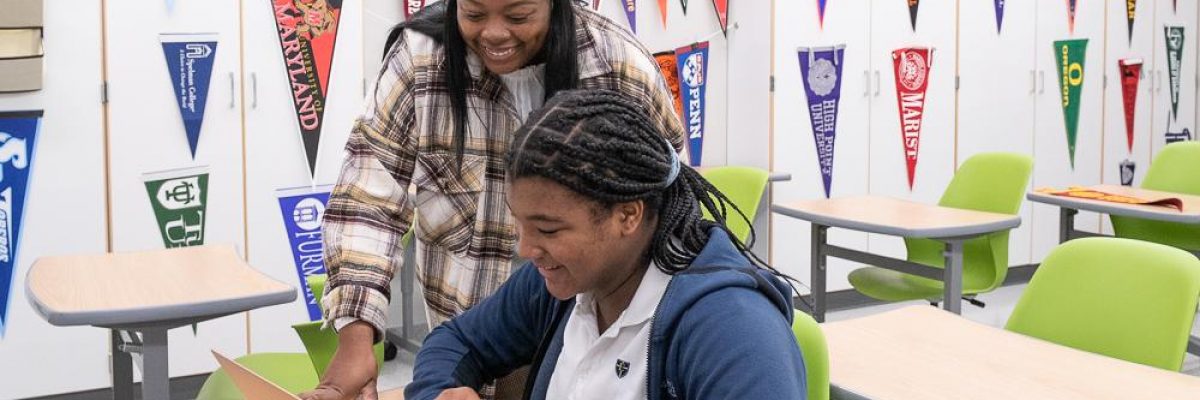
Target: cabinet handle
(1032,82)
(1158,83)
(232,92)
(876,83)
(253,90)
(1041,82)
(866,83)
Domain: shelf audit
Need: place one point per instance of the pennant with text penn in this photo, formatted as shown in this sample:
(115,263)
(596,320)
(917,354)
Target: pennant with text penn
(190,63)
(1131,73)
(821,13)
(1070,55)
(307,35)
(670,72)
(302,210)
(693,70)
(999,14)
(913,5)
(179,198)
(1174,36)
(1130,15)
(18,139)
(912,79)
(722,9)
(821,72)
(631,13)
(410,7)
(1071,16)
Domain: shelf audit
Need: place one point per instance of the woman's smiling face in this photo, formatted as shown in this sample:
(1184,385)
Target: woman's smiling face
(505,34)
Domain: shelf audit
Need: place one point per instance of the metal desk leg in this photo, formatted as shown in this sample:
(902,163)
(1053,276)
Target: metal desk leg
(155,375)
(953,276)
(819,233)
(122,367)
(1066,223)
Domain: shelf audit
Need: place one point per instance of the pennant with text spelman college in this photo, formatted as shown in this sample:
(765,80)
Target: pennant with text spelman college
(190,63)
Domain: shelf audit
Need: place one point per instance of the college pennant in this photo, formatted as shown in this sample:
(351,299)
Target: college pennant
(821,13)
(1126,168)
(1131,71)
(190,63)
(912,78)
(411,7)
(18,139)
(999,14)
(302,210)
(1174,35)
(631,13)
(1071,16)
(722,9)
(1130,14)
(307,35)
(912,12)
(1070,55)
(821,73)
(662,9)
(693,69)
(670,72)
(684,4)
(179,198)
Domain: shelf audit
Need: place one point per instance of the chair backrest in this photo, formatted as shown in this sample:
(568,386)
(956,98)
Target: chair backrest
(1127,299)
(1173,170)
(743,186)
(815,353)
(316,283)
(319,342)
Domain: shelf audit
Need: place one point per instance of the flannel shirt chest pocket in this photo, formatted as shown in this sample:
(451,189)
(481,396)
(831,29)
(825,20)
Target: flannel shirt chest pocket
(447,198)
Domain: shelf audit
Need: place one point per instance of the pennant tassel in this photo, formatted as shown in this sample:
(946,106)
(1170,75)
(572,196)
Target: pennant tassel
(693,70)
(821,73)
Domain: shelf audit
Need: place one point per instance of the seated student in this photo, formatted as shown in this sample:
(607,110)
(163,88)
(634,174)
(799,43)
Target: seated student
(629,293)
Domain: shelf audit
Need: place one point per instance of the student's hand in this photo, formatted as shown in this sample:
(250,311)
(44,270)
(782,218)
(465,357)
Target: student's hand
(458,393)
(352,371)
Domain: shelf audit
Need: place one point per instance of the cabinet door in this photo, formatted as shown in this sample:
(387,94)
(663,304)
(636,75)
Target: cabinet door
(1163,120)
(1118,148)
(147,135)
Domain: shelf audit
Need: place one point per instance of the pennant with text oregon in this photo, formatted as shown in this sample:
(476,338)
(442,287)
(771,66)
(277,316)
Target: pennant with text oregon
(693,71)
(1071,16)
(999,14)
(302,210)
(722,9)
(410,7)
(821,13)
(821,72)
(190,62)
(1130,15)
(912,78)
(1070,55)
(307,35)
(631,13)
(179,198)
(1131,71)
(1174,35)
(662,9)
(912,12)
(18,136)
(670,72)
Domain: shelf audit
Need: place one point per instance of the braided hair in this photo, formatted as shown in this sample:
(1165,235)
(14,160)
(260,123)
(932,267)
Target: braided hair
(604,146)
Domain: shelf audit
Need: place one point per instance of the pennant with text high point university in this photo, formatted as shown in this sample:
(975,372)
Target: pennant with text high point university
(912,79)
(662,10)
(190,63)
(913,5)
(411,7)
(821,72)
(630,13)
(179,198)
(1130,15)
(1131,73)
(18,137)
(1070,55)
(307,35)
(693,70)
(1071,16)
(999,14)
(302,210)
(1174,35)
(722,9)
(821,13)
(670,71)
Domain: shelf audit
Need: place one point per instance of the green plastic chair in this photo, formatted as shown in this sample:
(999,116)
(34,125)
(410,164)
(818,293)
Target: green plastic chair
(816,355)
(1174,170)
(743,186)
(1122,298)
(992,182)
(320,343)
(291,371)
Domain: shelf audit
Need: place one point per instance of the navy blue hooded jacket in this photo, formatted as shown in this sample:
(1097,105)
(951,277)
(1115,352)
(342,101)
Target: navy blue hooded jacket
(721,331)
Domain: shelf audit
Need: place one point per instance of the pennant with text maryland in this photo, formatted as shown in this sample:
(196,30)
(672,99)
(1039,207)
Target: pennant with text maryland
(631,13)
(1130,15)
(410,7)
(693,71)
(662,10)
(912,12)
(912,78)
(302,210)
(722,9)
(1070,55)
(999,14)
(18,136)
(190,63)
(307,35)
(1174,35)
(1131,72)
(670,71)
(821,71)
(179,198)
(1071,16)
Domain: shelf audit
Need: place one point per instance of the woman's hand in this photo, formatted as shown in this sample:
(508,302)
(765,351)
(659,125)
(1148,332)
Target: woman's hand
(352,371)
(458,393)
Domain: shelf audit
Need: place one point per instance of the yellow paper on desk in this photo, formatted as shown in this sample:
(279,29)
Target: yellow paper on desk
(1089,193)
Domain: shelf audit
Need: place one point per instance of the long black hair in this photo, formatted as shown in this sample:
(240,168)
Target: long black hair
(440,22)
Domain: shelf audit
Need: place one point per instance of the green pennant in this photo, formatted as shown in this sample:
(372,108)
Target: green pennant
(1174,36)
(1070,55)
(179,198)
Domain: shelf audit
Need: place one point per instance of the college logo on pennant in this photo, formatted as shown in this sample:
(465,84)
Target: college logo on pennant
(912,12)
(722,9)
(18,137)
(821,13)
(912,78)
(302,210)
(1130,15)
(411,7)
(1071,16)
(631,13)
(190,62)
(1070,55)
(999,14)
(821,71)
(307,34)
(1174,35)
(693,70)
(1131,72)
(670,73)
(179,198)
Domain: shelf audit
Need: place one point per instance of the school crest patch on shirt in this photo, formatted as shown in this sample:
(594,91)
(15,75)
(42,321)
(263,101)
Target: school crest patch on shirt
(622,368)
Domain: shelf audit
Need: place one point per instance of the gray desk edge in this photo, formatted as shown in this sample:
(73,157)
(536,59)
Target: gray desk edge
(954,232)
(148,315)
(1111,209)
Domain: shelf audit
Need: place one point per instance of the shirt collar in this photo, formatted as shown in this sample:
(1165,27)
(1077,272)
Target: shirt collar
(645,301)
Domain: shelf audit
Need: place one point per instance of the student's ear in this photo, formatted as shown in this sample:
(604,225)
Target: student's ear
(630,215)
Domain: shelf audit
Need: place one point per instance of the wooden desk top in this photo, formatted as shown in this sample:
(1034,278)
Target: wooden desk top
(142,288)
(1189,215)
(890,216)
(921,352)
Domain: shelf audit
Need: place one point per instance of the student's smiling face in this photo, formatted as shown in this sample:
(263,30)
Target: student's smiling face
(505,34)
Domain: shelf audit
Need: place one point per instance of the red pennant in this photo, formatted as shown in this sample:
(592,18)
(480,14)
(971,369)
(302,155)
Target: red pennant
(722,7)
(1071,16)
(662,9)
(411,7)
(670,71)
(912,78)
(307,34)
(1131,70)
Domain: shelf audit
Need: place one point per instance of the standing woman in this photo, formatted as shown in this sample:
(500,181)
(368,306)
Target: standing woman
(456,83)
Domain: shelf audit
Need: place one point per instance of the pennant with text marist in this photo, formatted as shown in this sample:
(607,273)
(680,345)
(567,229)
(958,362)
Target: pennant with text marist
(670,71)
(912,12)
(821,13)
(912,78)
(999,14)
(307,35)
(631,13)
(693,70)
(1071,16)
(18,137)
(821,71)
(1130,15)
(179,198)
(190,63)
(1131,72)
(662,9)
(410,7)
(722,9)
(1174,35)
(302,210)
(1070,55)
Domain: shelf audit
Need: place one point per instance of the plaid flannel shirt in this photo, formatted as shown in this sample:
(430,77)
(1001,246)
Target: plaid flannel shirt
(465,236)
